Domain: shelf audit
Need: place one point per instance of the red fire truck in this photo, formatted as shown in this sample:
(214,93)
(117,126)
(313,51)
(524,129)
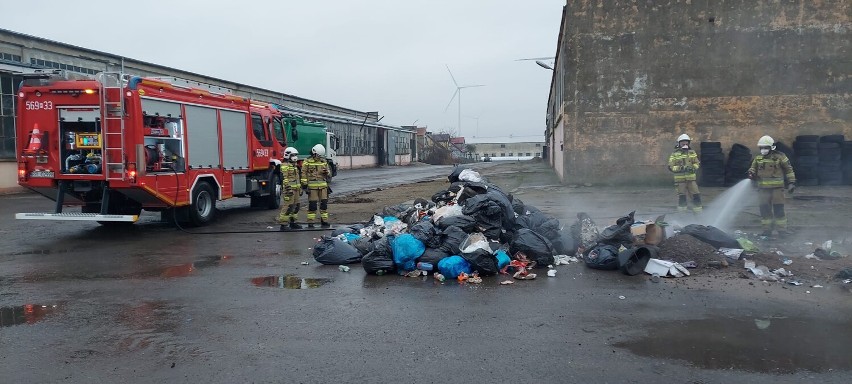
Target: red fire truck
(117,144)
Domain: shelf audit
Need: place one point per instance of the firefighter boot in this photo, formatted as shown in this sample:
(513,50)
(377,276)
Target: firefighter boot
(294,225)
(284,228)
(325,224)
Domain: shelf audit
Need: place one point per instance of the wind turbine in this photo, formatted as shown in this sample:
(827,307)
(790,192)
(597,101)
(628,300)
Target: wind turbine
(458,92)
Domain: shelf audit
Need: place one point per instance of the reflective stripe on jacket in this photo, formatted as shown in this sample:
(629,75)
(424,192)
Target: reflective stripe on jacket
(770,170)
(314,172)
(679,160)
(290,175)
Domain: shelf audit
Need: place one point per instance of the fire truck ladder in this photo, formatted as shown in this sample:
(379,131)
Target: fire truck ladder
(112,107)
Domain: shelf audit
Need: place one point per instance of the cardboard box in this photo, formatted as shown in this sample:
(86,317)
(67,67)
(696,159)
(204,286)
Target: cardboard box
(649,232)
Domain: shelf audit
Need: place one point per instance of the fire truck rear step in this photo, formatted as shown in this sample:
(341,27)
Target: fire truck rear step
(76,216)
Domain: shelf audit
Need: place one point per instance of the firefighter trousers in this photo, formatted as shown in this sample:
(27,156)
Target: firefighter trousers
(317,198)
(289,206)
(688,189)
(772,209)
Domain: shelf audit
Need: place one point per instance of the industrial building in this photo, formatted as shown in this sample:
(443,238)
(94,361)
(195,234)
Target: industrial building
(364,142)
(630,78)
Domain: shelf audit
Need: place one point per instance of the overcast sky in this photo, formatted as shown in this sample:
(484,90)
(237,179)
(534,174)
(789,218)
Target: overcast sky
(369,55)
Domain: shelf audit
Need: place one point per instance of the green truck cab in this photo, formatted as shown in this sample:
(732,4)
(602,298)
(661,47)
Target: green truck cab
(303,135)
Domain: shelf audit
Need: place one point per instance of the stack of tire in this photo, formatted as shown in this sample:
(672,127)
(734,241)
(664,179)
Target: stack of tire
(830,160)
(806,161)
(712,170)
(739,161)
(847,162)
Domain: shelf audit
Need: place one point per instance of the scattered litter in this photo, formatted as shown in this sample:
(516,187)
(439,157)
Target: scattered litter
(439,277)
(528,276)
(811,256)
(827,245)
(343,268)
(689,264)
(507,282)
(796,283)
(807,291)
(749,264)
(655,278)
(564,260)
(816,286)
(787,261)
(622,297)
(747,245)
(305,263)
(551,273)
(717,263)
(847,281)
(474,279)
(268,227)
(731,253)
(414,273)
(762,324)
(665,268)
(782,272)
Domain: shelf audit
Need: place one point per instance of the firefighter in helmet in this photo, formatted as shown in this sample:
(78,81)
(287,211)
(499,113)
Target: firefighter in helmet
(314,182)
(683,162)
(291,181)
(771,170)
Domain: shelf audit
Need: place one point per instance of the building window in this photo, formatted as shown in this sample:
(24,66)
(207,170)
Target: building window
(502,145)
(503,154)
(529,154)
(538,154)
(538,144)
(511,154)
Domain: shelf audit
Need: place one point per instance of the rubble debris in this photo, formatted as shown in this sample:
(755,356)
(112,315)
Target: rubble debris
(665,268)
(731,253)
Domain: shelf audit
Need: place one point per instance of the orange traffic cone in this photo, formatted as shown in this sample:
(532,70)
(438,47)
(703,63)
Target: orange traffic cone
(34,146)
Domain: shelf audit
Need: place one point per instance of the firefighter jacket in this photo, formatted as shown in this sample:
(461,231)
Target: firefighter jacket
(314,173)
(290,175)
(771,170)
(683,164)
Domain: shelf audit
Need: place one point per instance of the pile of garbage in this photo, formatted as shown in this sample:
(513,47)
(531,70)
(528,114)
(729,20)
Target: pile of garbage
(470,230)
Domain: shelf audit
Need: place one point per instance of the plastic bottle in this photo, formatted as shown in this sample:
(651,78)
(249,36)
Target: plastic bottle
(380,272)
(425,266)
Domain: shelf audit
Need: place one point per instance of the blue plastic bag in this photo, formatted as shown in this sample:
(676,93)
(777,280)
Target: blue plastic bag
(406,248)
(388,219)
(503,259)
(350,237)
(451,267)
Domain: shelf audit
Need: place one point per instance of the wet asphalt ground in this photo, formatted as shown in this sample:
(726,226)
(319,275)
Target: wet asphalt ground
(151,304)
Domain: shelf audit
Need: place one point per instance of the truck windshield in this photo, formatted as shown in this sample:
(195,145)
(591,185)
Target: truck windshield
(278,129)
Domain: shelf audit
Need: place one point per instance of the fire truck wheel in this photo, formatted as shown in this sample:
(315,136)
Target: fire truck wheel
(203,207)
(274,199)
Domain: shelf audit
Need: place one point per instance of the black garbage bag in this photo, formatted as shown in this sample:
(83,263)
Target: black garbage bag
(471,189)
(333,251)
(465,222)
(481,261)
(442,196)
(618,234)
(426,232)
(602,256)
(400,211)
(711,235)
(383,247)
(633,261)
(487,213)
(541,223)
(354,228)
(564,243)
(433,255)
(364,245)
(518,206)
(535,246)
(451,239)
(422,204)
(376,263)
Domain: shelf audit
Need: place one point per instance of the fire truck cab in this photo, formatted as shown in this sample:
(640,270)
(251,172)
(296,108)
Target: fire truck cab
(118,144)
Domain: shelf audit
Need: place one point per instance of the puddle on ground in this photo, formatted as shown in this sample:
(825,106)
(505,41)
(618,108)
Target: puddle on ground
(181,270)
(289,282)
(769,345)
(25,314)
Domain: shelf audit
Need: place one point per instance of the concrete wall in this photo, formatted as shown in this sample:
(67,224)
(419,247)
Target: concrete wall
(640,73)
(350,162)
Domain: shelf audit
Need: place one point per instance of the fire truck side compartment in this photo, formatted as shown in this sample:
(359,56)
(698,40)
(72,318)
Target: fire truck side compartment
(202,131)
(234,142)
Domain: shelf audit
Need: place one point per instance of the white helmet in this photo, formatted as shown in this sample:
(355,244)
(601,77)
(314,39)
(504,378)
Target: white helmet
(318,150)
(766,141)
(683,137)
(289,150)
